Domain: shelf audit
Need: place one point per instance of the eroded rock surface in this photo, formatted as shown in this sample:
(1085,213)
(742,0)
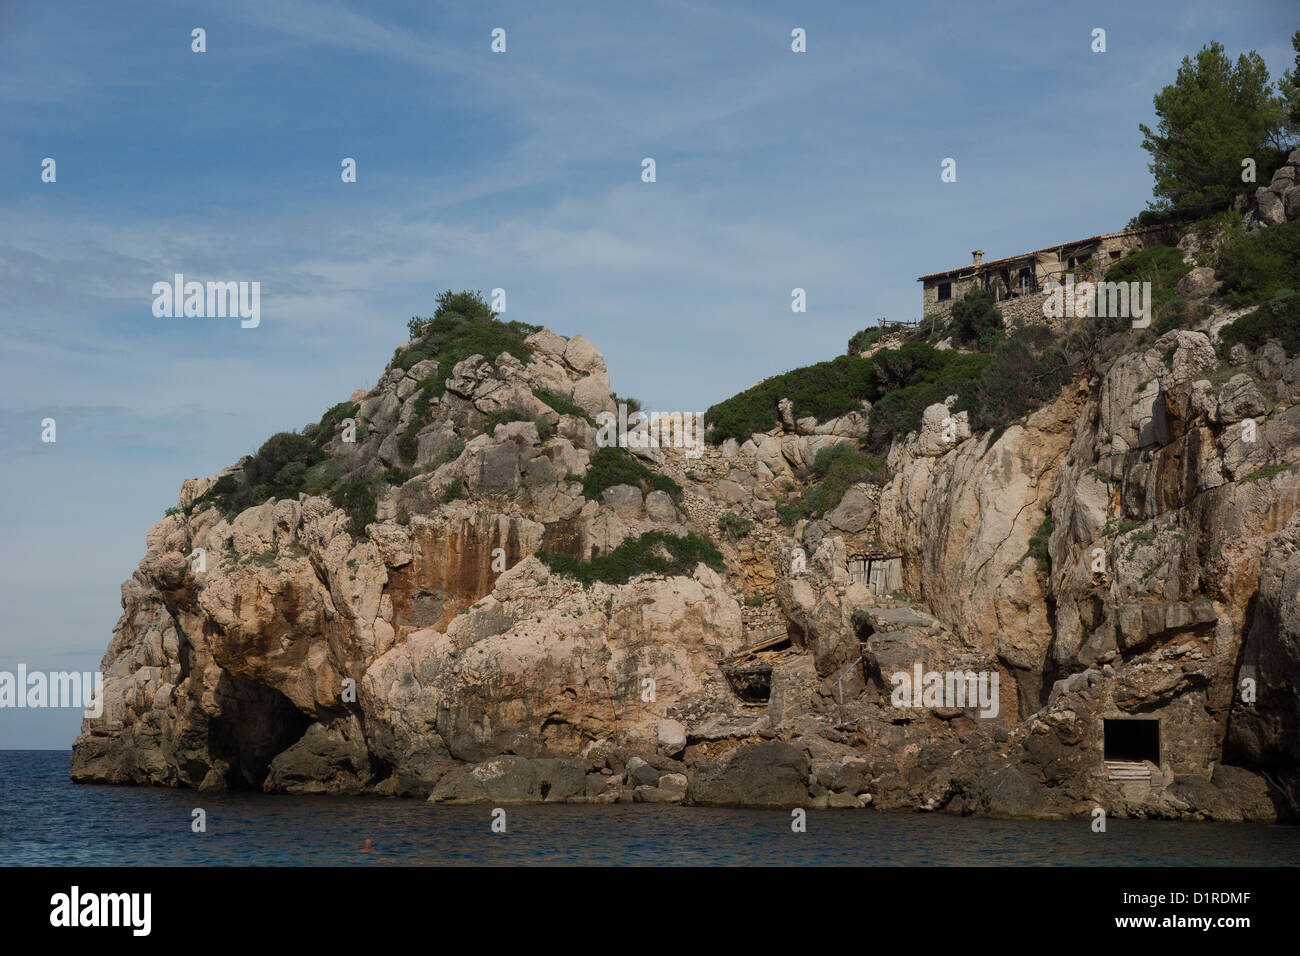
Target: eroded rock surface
(1122,553)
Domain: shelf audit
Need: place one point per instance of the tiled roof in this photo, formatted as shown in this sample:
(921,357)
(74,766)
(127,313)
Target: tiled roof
(971,267)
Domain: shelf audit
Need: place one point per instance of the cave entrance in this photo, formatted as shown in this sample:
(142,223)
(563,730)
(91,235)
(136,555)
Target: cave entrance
(1132,740)
(752,684)
(750,672)
(256,724)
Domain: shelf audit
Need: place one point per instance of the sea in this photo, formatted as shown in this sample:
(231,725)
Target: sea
(47,820)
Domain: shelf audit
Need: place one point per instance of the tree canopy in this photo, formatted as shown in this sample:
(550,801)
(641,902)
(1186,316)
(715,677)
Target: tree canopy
(1215,115)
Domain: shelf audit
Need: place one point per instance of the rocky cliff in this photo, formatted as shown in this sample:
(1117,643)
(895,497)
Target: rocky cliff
(1128,551)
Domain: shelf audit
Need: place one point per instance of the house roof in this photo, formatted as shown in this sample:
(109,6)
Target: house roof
(970,267)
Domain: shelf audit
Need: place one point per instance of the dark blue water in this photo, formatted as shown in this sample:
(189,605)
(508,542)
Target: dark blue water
(45,819)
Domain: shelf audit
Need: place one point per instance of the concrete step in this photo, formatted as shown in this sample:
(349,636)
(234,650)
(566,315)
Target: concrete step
(1127,770)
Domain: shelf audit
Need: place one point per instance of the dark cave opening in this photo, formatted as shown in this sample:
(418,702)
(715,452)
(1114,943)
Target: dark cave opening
(751,684)
(1136,739)
(256,725)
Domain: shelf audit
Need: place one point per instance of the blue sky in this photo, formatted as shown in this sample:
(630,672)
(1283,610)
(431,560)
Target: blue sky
(479,170)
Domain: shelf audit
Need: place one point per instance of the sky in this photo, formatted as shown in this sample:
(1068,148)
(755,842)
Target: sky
(519,170)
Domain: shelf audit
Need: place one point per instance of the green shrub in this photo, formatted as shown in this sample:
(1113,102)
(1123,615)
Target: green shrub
(501,417)
(1162,266)
(930,327)
(913,378)
(321,478)
(465,304)
(398,476)
(358,499)
(408,446)
(915,362)
(324,430)
(829,389)
(974,317)
(279,450)
(734,526)
(278,470)
(453,451)
(825,390)
(1268,471)
(1178,313)
(655,552)
(1161,217)
(453,491)
(827,457)
(1038,543)
(463,325)
(861,341)
(612,466)
(544,428)
(1279,318)
(1255,268)
(562,405)
(900,412)
(1025,372)
(839,471)
(790,513)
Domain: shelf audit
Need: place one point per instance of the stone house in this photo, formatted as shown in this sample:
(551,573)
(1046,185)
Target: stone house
(1022,277)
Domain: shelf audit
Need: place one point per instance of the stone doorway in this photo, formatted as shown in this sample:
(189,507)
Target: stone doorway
(1130,745)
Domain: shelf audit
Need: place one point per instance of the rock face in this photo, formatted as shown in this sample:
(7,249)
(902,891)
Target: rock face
(307,657)
(979,632)
(1279,201)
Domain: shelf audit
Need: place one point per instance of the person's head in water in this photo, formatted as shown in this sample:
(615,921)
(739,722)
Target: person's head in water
(367,847)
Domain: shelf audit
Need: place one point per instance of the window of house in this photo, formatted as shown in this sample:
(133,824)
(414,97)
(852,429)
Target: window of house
(945,291)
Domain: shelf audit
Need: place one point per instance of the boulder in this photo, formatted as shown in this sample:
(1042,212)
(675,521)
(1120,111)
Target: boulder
(582,356)
(672,737)
(1198,283)
(769,774)
(513,779)
(1272,211)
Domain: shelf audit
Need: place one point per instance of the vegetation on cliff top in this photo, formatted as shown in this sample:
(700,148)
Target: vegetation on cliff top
(281,468)
(462,325)
(824,390)
(288,464)
(1212,115)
